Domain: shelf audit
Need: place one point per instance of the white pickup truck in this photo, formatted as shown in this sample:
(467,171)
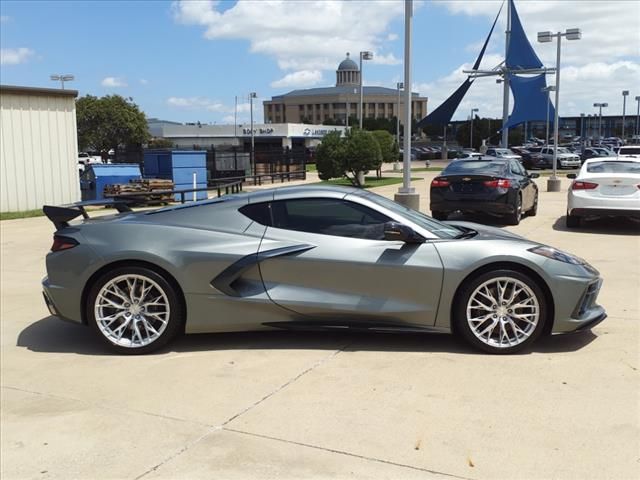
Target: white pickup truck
(566,159)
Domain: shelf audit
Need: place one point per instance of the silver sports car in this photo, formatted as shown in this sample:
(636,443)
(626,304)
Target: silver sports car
(309,258)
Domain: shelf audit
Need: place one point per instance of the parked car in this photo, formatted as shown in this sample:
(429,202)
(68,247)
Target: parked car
(532,161)
(499,187)
(592,152)
(503,153)
(469,156)
(604,186)
(566,159)
(308,258)
(629,150)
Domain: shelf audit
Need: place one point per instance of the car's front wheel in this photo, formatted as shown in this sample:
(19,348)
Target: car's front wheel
(500,311)
(134,310)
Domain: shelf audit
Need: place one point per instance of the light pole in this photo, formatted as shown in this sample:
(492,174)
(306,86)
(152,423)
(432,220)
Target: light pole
(363,56)
(400,86)
(582,130)
(553,184)
(638,117)
(625,94)
(406,194)
(252,158)
(62,78)
(600,105)
(548,89)
(473,110)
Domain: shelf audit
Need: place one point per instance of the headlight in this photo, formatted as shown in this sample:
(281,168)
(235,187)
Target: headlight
(558,255)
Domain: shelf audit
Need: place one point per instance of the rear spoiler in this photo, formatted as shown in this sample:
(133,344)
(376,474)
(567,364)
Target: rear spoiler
(61,215)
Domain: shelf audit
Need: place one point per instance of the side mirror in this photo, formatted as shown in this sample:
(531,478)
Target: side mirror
(572,175)
(395,231)
(534,175)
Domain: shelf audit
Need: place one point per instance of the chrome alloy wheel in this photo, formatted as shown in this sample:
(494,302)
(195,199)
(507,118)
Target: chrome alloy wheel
(132,311)
(503,312)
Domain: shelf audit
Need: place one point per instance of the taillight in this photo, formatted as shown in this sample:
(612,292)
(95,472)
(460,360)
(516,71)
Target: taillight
(576,185)
(62,243)
(439,182)
(500,183)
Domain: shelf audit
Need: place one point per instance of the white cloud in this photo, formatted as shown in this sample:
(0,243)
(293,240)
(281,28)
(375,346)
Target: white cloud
(144,81)
(15,56)
(392,36)
(299,79)
(113,82)
(594,69)
(204,104)
(5,18)
(312,35)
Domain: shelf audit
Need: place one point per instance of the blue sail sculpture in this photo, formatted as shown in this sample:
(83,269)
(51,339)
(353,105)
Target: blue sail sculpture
(443,114)
(530,101)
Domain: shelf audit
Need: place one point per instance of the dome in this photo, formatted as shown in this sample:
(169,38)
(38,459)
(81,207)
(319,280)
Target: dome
(348,64)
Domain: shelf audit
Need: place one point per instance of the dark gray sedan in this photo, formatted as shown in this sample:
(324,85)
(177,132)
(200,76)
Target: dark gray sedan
(309,258)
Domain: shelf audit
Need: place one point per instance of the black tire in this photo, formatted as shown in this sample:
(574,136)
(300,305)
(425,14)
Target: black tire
(461,326)
(515,217)
(572,221)
(438,215)
(534,210)
(173,323)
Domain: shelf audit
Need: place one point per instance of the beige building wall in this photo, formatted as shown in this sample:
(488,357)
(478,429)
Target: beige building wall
(317,109)
(38,148)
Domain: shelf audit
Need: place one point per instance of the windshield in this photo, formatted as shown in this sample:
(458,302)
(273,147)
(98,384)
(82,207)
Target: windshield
(563,150)
(475,168)
(613,167)
(439,229)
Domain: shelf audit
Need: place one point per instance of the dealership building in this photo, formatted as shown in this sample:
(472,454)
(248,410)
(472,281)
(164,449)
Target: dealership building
(317,105)
(265,136)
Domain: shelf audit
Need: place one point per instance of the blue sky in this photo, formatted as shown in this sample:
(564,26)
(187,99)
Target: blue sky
(186,61)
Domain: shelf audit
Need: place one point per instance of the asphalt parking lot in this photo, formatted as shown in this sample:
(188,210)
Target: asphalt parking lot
(307,405)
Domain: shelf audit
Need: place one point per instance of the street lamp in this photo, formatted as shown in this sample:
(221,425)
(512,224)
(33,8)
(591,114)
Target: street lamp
(582,130)
(252,95)
(625,93)
(600,105)
(548,89)
(553,184)
(473,110)
(399,86)
(363,56)
(638,117)
(62,78)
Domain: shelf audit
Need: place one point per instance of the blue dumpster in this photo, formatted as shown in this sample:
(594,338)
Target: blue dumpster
(97,175)
(179,166)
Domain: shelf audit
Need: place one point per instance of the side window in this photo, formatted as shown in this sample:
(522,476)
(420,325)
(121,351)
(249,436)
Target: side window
(517,168)
(258,212)
(327,216)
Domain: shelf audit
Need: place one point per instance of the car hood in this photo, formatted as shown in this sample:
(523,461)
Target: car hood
(486,232)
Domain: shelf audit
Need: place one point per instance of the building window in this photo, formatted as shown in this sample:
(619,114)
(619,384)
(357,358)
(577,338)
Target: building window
(269,107)
(277,108)
(372,106)
(301,108)
(354,106)
(326,105)
(318,117)
(317,106)
(381,106)
(277,118)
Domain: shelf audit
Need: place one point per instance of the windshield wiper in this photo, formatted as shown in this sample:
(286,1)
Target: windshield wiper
(467,233)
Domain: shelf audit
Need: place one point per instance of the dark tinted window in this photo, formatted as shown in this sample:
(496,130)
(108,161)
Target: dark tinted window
(258,212)
(328,216)
(475,167)
(614,167)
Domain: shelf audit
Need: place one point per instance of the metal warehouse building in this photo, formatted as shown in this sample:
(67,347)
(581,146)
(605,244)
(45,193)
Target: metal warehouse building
(38,148)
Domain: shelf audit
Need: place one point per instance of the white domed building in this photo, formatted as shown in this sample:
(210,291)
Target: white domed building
(318,105)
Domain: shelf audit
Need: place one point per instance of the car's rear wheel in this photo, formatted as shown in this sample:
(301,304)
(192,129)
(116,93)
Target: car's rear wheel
(573,221)
(134,310)
(515,217)
(438,215)
(500,311)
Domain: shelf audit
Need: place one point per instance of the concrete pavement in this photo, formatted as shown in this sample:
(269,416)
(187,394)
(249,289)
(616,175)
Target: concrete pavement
(308,405)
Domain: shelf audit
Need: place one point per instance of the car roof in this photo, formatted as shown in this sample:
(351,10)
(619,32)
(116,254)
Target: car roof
(621,158)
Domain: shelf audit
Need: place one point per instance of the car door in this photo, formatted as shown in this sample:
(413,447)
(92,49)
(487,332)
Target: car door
(341,270)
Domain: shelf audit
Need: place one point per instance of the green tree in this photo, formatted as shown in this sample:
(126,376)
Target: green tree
(109,122)
(361,154)
(387,144)
(330,156)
